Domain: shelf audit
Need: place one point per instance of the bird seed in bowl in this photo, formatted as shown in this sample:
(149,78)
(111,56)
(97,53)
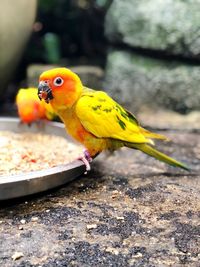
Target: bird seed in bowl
(26,152)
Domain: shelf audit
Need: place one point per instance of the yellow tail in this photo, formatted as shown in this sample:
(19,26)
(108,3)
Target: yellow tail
(149,134)
(159,155)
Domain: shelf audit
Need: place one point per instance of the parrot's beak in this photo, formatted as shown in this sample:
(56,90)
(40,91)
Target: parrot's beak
(44,91)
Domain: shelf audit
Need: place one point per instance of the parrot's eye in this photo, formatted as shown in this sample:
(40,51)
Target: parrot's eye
(58,81)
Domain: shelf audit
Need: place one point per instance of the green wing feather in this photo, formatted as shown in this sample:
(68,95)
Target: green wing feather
(105,118)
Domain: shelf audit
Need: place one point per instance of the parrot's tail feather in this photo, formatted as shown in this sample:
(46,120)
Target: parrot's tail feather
(149,134)
(159,155)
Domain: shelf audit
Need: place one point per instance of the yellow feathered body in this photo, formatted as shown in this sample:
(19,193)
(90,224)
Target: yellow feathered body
(95,119)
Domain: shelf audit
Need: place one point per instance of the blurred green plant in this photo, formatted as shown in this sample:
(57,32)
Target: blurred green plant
(69,29)
(52,48)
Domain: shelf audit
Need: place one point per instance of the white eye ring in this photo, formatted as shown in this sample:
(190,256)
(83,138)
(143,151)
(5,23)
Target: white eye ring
(58,81)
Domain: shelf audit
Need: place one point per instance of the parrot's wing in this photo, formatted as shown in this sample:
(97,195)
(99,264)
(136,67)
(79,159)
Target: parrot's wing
(105,118)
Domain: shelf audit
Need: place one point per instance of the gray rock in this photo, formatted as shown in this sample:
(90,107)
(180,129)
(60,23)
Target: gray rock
(33,72)
(167,119)
(138,81)
(172,26)
(16,21)
(90,76)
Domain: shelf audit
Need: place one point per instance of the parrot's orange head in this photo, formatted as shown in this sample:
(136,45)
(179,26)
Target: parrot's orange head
(60,86)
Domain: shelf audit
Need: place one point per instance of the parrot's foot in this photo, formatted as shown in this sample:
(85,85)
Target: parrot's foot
(86,159)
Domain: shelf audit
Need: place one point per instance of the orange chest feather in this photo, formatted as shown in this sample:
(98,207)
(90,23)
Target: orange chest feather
(74,126)
(79,133)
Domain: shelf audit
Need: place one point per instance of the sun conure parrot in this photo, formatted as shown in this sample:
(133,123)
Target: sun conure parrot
(94,119)
(30,108)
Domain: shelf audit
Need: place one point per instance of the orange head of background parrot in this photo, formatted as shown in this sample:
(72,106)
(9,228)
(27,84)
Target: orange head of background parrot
(61,87)
(28,105)
(30,108)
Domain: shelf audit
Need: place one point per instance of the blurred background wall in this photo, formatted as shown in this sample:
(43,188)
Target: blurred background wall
(16,20)
(144,53)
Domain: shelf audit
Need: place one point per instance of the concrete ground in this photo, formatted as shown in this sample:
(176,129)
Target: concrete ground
(130,210)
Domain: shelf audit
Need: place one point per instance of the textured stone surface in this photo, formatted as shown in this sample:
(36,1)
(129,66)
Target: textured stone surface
(16,21)
(136,81)
(172,26)
(165,120)
(131,210)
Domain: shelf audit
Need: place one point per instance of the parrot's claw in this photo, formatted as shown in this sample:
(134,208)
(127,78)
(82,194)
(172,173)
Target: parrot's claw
(86,159)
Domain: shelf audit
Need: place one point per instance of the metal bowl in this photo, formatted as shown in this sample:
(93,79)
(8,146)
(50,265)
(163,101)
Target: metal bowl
(19,185)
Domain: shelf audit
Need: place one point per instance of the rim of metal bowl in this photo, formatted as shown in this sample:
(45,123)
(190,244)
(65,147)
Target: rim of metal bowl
(75,168)
(41,173)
